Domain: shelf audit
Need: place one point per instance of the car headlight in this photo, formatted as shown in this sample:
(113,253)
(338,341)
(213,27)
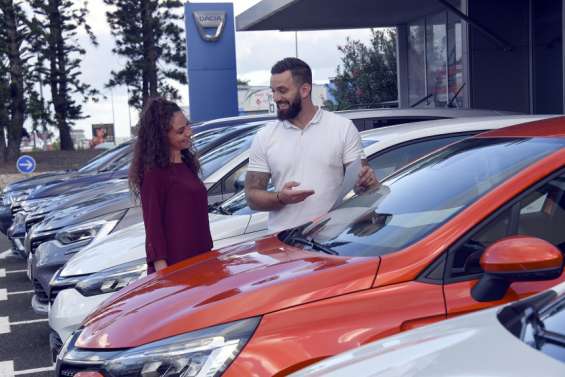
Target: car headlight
(112,279)
(88,231)
(58,281)
(207,352)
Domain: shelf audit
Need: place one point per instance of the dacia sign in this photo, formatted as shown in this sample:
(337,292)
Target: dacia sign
(210,57)
(210,21)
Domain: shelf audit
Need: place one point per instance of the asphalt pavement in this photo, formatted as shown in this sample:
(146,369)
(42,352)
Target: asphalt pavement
(24,335)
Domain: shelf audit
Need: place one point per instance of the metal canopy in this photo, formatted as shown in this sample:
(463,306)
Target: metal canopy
(287,15)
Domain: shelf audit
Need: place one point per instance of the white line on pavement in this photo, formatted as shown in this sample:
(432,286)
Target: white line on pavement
(5,254)
(20,292)
(5,324)
(36,370)
(2,273)
(30,321)
(16,271)
(4,327)
(6,368)
(3,294)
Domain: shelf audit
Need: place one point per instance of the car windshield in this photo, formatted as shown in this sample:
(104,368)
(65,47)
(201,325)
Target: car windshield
(100,161)
(221,155)
(416,200)
(205,137)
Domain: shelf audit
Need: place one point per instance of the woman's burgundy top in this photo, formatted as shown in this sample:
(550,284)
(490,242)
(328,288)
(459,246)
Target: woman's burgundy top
(175,212)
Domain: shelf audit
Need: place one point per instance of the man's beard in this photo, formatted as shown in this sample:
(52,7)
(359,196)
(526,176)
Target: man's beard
(293,110)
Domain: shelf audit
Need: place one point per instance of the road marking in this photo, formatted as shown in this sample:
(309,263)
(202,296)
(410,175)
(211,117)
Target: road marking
(5,324)
(16,271)
(2,273)
(36,370)
(20,292)
(3,294)
(6,254)
(6,368)
(4,328)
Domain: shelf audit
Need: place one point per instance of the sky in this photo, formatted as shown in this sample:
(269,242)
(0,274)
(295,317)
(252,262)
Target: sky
(256,52)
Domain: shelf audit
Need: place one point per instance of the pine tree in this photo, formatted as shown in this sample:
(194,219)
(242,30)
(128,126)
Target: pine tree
(150,35)
(366,76)
(13,51)
(57,24)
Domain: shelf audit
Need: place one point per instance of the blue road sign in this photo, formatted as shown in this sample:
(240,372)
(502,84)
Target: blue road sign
(26,164)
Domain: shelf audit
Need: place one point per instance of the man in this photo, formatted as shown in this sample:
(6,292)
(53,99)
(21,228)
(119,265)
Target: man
(304,153)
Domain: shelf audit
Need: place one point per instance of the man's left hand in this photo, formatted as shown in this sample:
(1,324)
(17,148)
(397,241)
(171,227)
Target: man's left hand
(367,179)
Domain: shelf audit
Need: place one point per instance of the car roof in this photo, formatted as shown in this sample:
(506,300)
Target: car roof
(422,112)
(553,127)
(410,131)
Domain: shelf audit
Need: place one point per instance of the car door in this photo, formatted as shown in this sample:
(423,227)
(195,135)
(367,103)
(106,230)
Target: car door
(538,212)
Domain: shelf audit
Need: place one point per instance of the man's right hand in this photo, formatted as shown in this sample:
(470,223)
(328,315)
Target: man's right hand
(289,196)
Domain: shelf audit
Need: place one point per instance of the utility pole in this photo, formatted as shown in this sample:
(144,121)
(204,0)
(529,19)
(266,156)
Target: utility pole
(296,44)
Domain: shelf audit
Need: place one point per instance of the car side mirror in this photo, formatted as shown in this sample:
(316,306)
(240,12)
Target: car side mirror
(516,258)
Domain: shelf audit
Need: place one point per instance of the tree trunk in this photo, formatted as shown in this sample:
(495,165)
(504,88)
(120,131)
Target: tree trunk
(58,80)
(149,52)
(17,100)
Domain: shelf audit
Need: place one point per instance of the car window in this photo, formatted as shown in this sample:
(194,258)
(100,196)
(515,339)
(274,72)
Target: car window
(100,161)
(388,161)
(418,199)
(541,214)
(220,156)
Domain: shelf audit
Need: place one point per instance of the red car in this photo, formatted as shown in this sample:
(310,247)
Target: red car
(473,225)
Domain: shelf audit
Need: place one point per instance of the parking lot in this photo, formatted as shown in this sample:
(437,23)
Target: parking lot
(24,341)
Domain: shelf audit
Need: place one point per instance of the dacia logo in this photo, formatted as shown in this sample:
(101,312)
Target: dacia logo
(213,21)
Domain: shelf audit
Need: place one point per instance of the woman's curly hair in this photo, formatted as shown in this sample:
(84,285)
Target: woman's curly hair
(151,149)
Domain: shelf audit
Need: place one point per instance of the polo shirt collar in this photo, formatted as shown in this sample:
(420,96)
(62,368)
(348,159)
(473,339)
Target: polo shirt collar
(315,120)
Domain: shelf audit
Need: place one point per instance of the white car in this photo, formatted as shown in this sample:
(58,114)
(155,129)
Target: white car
(522,339)
(123,255)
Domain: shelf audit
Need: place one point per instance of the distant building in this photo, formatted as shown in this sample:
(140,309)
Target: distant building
(259,99)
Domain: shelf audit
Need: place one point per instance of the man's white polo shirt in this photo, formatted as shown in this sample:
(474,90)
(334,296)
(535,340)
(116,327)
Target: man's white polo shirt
(314,157)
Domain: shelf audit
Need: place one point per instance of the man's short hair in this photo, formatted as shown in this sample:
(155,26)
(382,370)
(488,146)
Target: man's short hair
(301,72)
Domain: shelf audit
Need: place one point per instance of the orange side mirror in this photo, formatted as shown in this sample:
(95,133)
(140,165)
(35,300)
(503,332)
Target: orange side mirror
(516,258)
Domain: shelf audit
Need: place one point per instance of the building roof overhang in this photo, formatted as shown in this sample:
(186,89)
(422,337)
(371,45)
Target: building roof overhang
(290,15)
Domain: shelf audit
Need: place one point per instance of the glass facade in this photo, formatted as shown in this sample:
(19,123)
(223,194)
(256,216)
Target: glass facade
(435,61)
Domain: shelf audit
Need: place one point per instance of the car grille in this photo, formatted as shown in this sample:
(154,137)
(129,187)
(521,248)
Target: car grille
(40,292)
(39,240)
(16,207)
(32,222)
(69,370)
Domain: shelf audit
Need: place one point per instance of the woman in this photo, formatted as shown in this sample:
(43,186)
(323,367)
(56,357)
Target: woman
(164,173)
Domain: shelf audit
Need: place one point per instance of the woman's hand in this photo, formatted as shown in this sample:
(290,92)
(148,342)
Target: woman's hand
(160,264)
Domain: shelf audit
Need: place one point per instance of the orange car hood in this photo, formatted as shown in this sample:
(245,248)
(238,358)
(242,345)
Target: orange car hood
(247,280)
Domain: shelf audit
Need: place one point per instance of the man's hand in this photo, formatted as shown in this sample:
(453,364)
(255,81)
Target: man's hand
(367,179)
(289,196)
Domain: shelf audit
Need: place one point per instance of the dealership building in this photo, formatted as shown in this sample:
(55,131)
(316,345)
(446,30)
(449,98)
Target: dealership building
(490,54)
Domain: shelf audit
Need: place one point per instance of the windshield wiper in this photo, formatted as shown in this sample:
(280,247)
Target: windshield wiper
(539,332)
(313,244)
(217,208)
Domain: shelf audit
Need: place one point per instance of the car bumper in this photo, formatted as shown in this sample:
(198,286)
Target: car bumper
(47,259)
(69,309)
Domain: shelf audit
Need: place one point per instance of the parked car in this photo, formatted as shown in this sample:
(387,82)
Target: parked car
(407,253)
(34,211)
(392,142)
(51,242)
(522,339)
(18,191)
